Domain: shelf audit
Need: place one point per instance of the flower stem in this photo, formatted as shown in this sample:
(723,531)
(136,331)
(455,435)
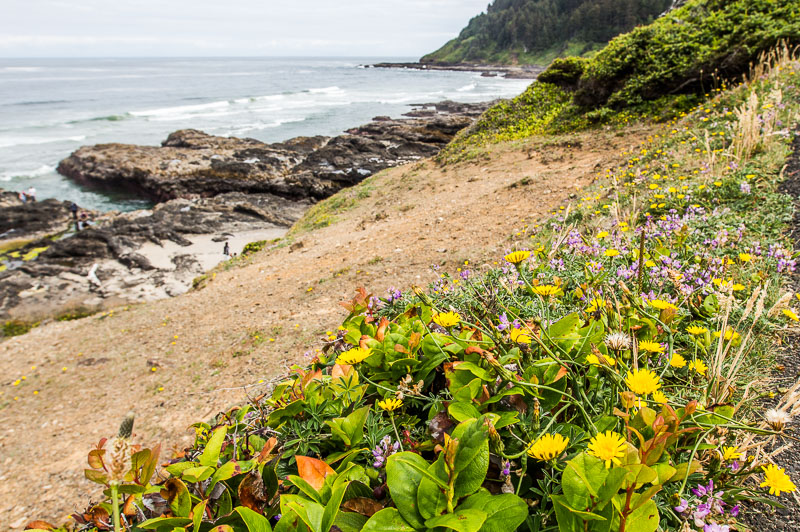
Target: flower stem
(115,506)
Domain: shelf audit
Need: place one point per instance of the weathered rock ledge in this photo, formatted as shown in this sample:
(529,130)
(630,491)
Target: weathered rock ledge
(209,190)
(191,163)
(487,70)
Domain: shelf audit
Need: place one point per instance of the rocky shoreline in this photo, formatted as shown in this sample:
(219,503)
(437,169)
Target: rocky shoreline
(208,191)
(505,71)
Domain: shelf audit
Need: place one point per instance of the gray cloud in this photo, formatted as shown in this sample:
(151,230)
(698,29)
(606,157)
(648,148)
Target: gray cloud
(30,28)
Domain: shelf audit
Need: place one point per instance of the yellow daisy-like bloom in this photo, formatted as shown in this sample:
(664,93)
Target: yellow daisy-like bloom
(642,381)
(659,397)
(611,253)
(699,366)
(446,319)
(677,360)
(607,360)
(548,447)
(729,333)
(730,453)
(776,479)
(660,304)
(696,330)
(353,356)
(789,313)
(609,447)
(651,347)
(515,257)
(602,234)
(745,257)
(546,290)
(596,303)
(519,336)
(390,404)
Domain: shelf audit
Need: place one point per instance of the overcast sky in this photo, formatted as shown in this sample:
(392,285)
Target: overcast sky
(79,28)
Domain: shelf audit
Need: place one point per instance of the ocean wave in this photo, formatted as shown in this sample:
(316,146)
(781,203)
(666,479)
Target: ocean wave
(326,90)
(26,141)
(42,170)
(180,110)
(21,69)
(466,88)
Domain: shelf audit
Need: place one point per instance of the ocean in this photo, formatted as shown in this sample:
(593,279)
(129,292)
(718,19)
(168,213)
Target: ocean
(51,107)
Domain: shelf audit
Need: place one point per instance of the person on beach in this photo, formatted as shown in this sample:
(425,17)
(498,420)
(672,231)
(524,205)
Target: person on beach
(226,250)
(74,210)
(31,193)
(22,197)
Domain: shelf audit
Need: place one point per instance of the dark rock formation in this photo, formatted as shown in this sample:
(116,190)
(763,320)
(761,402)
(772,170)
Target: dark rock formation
(191,163)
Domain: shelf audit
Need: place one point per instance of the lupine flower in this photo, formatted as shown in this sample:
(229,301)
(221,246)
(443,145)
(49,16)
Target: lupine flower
(384,450)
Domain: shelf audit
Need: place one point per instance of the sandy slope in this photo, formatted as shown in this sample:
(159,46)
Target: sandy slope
(207,344)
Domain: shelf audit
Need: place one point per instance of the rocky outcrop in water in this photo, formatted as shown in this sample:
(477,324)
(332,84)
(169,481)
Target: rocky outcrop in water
(191,163)
(210,190)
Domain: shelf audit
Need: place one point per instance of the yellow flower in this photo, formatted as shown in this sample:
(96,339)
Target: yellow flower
(659,397)
(594,360)
(519,336)
(696,330)
(548,447)
(776,479)
(677,360)
(353,356)
(651,347)
(745,257)
(699,366)
(446,319)
(729,333)
(609,447)
(642,381)
(546,290)
(602,234)
(515,257)
(789,313)
(611,252)
(660,304)
(390,404)
(730,453)
(595,304)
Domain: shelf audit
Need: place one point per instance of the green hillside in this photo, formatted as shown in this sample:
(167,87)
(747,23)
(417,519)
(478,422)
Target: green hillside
(538,31)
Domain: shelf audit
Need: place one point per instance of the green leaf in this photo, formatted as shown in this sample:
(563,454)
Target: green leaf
(389,520)
(568,521)
(305,487)
(403,476)
(159,522)
(639,474)
(504,513)
(461,520)
(350,429)
(225,471)
(210,455)
(254,521)
(197,515)
(461,411)
(197,474)
(431,496)
(472,456)
(350,521)
(582,478)
(309,512)
(664,472)
(643,519)
(178,497)
(332,508)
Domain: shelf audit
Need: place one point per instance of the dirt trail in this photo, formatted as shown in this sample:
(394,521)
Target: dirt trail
(207,344)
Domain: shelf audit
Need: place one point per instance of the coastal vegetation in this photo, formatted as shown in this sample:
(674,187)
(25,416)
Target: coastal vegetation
(604,374)
(653,72)
(538,31)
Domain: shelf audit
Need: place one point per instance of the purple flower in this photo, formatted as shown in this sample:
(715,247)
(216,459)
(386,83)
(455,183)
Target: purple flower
(506,468)
(702,491)
(682,506)
(714,527)
(745,188)
(700,514)
(394,294)
(384,450)
(735,511)
(504,323)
